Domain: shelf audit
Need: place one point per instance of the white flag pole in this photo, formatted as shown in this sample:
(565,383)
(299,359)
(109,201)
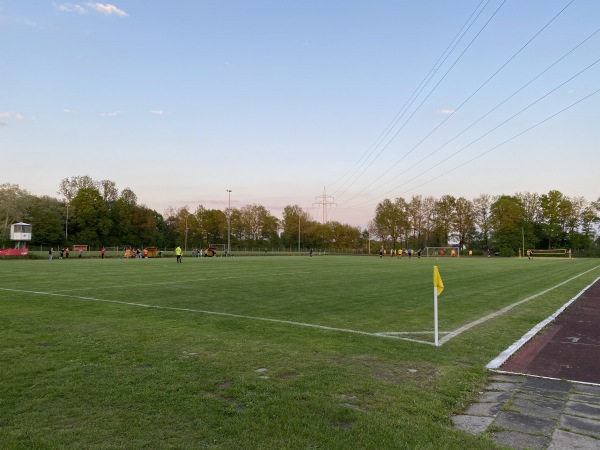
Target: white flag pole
(435,315)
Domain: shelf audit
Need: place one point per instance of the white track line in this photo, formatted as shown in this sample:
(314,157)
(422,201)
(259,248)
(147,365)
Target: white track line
(468,326)
(216,313)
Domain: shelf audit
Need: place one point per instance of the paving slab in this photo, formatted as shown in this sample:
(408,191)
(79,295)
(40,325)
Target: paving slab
(508,378)
(560,395)
(484,409)
(562,440)
(525,424)
(584,398)
(581,425)
(494,396)
(587,389)
(582,409)
(520,441)
(535,384)
(502,386)
(538,406)
(472,424)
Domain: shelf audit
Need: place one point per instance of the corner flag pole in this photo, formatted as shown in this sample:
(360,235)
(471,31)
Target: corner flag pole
(435,315)
(438,287)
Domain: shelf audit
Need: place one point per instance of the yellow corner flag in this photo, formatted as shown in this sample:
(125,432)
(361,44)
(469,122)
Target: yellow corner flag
(437,280)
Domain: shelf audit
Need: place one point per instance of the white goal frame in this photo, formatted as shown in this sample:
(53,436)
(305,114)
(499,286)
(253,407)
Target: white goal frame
(553,252)
(435,251)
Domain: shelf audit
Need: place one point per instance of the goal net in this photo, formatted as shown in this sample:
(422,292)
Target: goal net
(553,252)
(450,252)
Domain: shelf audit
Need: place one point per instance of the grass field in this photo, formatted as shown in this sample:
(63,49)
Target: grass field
(326,352)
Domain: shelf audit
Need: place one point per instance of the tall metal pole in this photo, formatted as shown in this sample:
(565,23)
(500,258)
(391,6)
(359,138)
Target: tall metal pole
(298,232)
(67,224)
(229,223)
(186,231)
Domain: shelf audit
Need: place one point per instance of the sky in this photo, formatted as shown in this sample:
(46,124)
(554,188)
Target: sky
(303,103)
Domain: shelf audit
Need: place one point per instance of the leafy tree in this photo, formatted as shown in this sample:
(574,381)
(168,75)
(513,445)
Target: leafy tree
(293,224)
(69,187)
(47,221)
(445,216)
(214,224)
(90,218)
(14,204)
(463,220)
(482,210)
(343,236)
(416,217)
(391,221)
(506,220)
(555,211)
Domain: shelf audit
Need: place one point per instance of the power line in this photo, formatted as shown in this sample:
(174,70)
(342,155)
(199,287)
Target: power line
(466,100)
(509,139)
(426,97)
(494,109)
(493,148)
(424,82)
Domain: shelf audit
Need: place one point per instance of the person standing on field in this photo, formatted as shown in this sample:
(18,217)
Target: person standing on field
(50,254)
(178,253)
(102,252)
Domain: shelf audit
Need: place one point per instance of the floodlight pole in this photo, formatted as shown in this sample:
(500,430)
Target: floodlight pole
(186,233)
(298,232)
(229,223)
(67,224)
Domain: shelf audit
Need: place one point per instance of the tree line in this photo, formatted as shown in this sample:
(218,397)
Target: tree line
(96,213)
(504,223)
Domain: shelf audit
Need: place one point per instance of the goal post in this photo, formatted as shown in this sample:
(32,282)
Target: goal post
(450,251)
(552,252)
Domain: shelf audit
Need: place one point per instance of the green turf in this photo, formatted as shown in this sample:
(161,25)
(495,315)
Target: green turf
(128,353)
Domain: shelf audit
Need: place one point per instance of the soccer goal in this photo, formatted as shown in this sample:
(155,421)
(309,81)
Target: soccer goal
(451,252)
(552,252)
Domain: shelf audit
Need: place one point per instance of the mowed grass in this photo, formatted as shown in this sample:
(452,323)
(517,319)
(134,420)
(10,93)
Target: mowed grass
(152,354)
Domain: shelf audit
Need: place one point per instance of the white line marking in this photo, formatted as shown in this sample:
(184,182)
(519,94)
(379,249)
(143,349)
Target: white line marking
(502,357)
(410,332)
(545,378)
(468,326)
(216,313)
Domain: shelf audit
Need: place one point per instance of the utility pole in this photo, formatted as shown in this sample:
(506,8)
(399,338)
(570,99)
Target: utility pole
(324,201)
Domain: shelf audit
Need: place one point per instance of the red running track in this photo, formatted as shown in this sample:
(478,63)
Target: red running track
(568,348)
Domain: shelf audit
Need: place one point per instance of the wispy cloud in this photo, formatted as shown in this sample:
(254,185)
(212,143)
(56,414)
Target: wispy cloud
(69,111)
(106,8)
(11,115)
(157,112)
(102,8)
(112,114)
(447,111)
(70,8)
